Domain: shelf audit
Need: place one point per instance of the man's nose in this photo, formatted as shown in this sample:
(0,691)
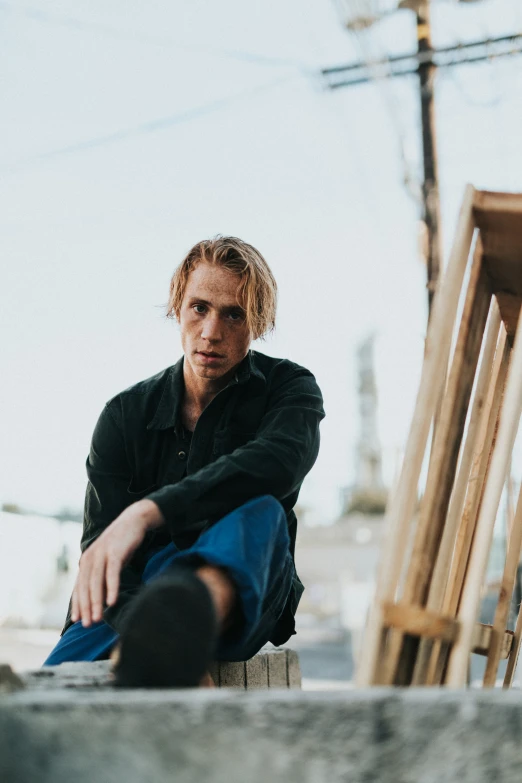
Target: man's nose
(212,328)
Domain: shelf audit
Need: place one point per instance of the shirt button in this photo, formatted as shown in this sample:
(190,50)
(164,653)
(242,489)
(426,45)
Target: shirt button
(182,455)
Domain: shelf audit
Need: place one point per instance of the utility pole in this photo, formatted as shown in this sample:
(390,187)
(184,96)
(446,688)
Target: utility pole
(430,185)
(425,63)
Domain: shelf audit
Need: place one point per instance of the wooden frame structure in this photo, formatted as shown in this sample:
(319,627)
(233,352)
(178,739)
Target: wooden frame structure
(422,625)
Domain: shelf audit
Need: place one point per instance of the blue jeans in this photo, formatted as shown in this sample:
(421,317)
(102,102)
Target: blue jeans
(252,543)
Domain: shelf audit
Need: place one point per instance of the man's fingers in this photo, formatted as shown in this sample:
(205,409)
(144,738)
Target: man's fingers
(97,589)
(84,598)
(113,580)
(75,612)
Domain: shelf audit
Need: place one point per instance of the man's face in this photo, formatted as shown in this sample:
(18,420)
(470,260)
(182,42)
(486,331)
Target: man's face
(214,334)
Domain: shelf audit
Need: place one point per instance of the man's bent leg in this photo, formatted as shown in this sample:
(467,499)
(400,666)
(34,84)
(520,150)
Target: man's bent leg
(248,549)
(83,644)
(251,546)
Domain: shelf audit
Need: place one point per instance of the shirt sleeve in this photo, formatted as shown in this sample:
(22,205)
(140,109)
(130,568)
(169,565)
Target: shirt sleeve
(109,475)
(275,462)
(106,496)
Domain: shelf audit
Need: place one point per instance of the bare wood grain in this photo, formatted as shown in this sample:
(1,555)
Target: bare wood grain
(443,563)
(509,420)
(443,463)
(401,508)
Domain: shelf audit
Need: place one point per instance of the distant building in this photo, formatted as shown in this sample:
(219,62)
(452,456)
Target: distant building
(368,495)
(338,563)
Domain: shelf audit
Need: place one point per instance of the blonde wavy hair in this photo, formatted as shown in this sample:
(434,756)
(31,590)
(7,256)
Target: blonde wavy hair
(257,292)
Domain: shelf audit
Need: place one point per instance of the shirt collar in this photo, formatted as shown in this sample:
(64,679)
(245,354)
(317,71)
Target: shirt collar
(248,369)
(169,408)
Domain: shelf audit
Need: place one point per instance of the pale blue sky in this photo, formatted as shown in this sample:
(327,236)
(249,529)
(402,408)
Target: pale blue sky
(131,130)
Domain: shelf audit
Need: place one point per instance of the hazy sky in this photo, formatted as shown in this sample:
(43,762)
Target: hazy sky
(131,130)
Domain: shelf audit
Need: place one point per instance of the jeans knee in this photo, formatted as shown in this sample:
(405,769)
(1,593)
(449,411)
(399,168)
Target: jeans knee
(269,505)
(273,514)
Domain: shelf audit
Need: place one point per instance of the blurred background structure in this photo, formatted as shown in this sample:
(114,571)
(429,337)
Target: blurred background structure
(335,136)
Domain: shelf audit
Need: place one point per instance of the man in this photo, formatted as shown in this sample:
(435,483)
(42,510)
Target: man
(189,532)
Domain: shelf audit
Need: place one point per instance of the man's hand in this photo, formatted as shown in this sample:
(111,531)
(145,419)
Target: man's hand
(101,564)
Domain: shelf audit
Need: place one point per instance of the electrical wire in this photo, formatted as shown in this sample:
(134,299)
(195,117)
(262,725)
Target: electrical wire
(145,128)
(45,17)
(452,73)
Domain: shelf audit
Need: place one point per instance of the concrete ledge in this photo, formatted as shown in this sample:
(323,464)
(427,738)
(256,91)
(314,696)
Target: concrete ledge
(225,736)
(271,668)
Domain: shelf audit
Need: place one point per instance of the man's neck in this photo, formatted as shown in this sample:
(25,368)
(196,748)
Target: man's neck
(199,392)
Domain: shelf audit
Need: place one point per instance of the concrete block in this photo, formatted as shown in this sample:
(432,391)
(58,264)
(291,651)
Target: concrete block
(232,675)
(269,669)
(285,736)
(74,674)
(256,672)
(277,668)
(9,681)
(293,669)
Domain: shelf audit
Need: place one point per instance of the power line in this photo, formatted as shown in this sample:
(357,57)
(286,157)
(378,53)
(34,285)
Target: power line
(408,64)
(424,62)
(165,42)
(152,126)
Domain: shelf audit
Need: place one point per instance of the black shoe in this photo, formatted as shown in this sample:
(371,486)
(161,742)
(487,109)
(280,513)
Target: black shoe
(169,635)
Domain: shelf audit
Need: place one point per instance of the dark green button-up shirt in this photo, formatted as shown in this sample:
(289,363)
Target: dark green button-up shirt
(258,436)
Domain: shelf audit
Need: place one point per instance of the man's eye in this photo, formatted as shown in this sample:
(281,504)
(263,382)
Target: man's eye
(235,316)
(199,308)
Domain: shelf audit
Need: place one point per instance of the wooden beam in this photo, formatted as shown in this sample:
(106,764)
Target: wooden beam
(504,599)
(513,654)
(482,636)
(480,464)
(443,462)
(451,526)
(402,505)
(417,621)
(458,658)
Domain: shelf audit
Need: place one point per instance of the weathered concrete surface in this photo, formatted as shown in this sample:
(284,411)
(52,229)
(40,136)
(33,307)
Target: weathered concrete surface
(220,736)
(271,668)
(9,681)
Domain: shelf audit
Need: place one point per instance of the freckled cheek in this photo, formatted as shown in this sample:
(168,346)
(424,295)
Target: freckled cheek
(190,325)
(188,334)
(240,344)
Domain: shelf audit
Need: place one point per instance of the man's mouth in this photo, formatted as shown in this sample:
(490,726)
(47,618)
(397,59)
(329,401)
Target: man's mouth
(210,354)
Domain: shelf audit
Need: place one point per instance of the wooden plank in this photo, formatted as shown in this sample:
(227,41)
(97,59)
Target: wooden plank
(482,637)
(499,218)
(504,599)
(481,459)
(458,657)
(442,566)
(509,310)
(402,505)
(417,621)
(514,652)
(487,204)
(443,463)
